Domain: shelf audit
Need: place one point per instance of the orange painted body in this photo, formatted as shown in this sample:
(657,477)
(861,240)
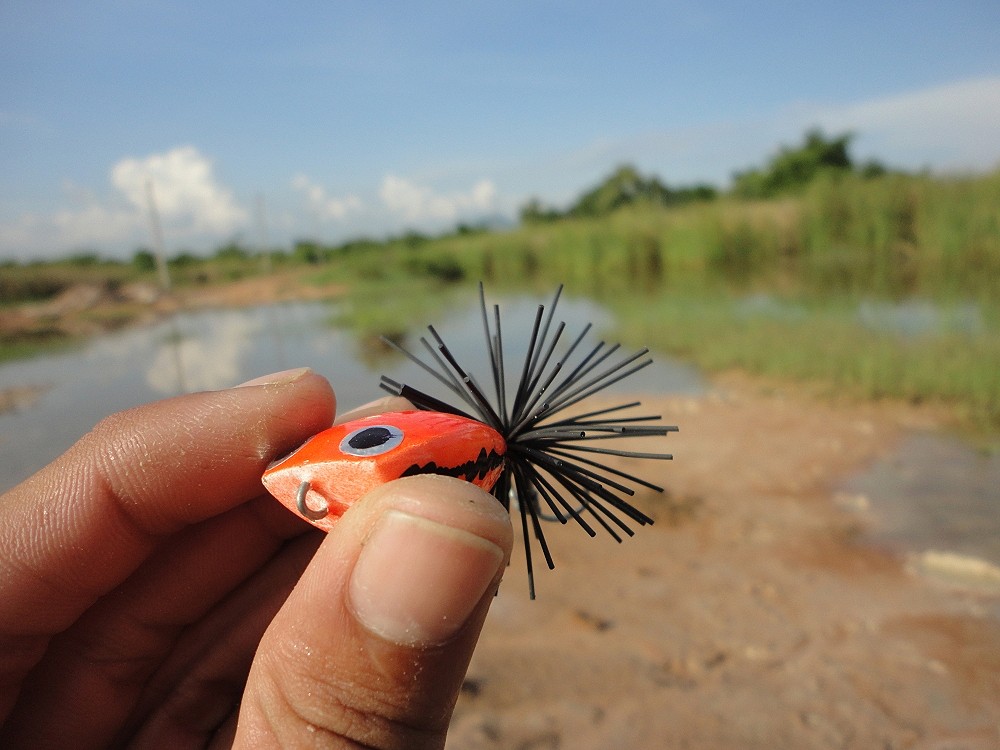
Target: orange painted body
(344,463)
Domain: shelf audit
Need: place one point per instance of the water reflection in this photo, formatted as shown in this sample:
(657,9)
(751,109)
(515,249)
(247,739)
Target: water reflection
(213,349)
(916,317)
(934,493)
(908,318)
(203,354)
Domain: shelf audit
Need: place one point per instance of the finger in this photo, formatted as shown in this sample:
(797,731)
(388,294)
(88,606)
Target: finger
(372,645)
(92,674)
(382,405)
(200,686)
(84,523)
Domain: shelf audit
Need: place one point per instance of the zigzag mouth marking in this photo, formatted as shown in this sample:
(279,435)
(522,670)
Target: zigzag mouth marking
(469,471)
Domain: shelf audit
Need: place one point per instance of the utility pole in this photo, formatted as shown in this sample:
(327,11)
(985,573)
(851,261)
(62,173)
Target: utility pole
(262,238)
(157,233)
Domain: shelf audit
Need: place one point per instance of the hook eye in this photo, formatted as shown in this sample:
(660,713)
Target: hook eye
(310,513)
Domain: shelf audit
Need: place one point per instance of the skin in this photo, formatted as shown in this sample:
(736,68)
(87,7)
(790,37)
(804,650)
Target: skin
(152,594)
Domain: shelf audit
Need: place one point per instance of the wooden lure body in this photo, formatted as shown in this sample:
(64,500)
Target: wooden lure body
(342,464)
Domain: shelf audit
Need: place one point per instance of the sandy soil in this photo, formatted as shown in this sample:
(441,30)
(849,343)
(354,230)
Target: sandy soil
(751,615)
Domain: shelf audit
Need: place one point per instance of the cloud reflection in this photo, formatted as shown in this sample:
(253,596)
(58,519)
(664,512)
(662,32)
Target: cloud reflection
(206,359)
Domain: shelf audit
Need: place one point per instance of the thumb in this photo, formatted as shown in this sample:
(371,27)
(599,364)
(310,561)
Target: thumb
(372,645)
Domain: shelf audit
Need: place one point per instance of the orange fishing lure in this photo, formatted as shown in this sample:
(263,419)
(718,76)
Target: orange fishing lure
(333,469)
(511,443)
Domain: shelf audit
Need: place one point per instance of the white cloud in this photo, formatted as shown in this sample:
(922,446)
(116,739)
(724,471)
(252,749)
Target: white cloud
(418,203)
(191,203)
(946,128)
(187,194)
(89,227)
(954,126)
(322,205)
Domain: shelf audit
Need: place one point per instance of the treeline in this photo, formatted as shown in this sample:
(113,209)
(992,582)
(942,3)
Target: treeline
(845,233)
(810,213)
(792,169)
(625,187)
(789,172)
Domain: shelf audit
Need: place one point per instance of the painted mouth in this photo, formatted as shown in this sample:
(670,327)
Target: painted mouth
(479,469)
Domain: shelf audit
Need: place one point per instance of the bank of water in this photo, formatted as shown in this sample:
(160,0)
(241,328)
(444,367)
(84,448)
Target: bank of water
(211,349)
(934,494)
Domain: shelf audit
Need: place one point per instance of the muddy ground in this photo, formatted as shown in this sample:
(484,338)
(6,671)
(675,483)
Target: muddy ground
(751,615)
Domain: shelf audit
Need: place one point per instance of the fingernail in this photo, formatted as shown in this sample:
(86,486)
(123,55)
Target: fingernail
(379,406)
(278,378)
(417,581)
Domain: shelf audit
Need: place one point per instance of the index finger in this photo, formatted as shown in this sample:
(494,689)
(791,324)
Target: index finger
(82,524)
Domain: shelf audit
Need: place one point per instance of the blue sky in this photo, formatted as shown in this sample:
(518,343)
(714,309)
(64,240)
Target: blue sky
(351,118)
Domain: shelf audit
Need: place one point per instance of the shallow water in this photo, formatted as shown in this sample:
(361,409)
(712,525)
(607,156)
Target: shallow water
(934,493)
(211,349)
(908,319)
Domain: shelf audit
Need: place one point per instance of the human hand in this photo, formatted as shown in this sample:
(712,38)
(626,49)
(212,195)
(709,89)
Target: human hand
(152,594)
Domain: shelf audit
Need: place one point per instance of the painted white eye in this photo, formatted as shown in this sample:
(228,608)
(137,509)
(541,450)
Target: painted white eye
(373,440)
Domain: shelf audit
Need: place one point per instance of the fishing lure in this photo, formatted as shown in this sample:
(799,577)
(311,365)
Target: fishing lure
(512,445)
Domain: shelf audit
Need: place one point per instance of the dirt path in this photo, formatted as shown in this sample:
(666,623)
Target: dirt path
(749,616)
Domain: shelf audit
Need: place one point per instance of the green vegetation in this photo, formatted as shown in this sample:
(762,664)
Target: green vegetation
(625,187)
(771,277)
(794,168)
(35,282)
(826,344)
(685,280)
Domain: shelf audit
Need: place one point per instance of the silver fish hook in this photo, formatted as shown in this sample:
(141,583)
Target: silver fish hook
(310,513)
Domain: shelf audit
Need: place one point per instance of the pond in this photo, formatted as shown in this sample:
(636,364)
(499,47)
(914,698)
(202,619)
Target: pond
(211,349)
(934,493)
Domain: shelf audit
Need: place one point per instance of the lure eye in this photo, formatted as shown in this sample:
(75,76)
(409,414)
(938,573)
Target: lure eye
(373,440)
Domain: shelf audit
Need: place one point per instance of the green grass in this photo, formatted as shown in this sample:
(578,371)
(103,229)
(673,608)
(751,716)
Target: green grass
(678,279)
(824,344)
(32,344)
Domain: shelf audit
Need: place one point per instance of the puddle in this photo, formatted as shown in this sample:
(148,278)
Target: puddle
(910,318)
(936,500)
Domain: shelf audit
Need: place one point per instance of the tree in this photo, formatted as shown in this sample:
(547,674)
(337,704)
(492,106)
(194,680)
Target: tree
(624,187)
(535,212)
(794,168)
(144,261)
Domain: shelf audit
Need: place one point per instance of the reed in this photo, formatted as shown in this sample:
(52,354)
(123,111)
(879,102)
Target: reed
(893,236)
(679,280)
(827,345)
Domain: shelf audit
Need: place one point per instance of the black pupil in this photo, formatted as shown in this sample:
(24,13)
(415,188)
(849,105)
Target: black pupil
(370,438)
